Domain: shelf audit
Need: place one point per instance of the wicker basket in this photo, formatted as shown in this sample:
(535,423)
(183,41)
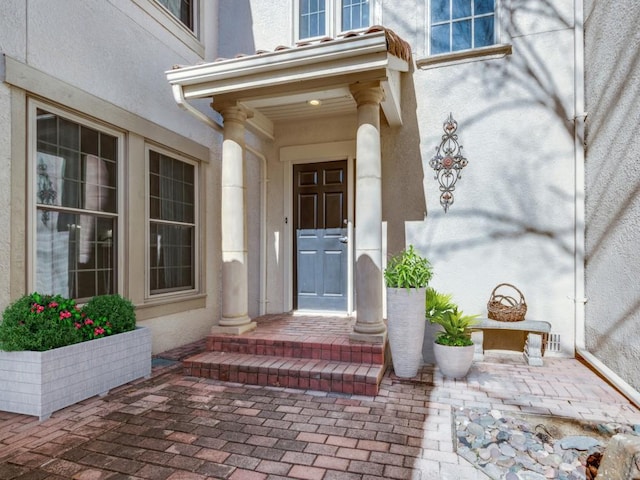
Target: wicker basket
(505,308)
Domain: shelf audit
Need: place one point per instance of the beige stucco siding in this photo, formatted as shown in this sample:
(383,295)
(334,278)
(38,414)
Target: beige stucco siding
(105,61)
(612,86)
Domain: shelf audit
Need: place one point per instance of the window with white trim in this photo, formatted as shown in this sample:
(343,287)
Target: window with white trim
(172,223)
(75,172)
(321,18)
(461,25)
(183,10)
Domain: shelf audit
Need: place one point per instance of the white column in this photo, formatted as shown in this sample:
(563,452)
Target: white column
(235,318)
(369,325)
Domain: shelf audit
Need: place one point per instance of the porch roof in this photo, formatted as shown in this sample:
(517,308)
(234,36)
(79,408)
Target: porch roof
(277,85)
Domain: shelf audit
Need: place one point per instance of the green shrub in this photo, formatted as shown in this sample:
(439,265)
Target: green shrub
(38,322)
(408,270)
(111,313)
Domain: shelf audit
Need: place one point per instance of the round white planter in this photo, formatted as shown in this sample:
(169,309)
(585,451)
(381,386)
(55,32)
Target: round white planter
(453,362)
(405,325)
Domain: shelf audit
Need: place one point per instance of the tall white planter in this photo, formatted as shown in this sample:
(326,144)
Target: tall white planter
(405,325)
(39,383)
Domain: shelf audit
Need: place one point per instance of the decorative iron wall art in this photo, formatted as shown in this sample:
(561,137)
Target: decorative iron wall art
(448,162)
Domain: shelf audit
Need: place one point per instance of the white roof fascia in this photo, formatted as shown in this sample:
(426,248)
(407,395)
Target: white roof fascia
(270,79)
(337,57)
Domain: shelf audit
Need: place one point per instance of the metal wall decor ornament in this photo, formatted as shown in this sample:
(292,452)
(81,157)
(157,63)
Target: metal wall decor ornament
(448,162)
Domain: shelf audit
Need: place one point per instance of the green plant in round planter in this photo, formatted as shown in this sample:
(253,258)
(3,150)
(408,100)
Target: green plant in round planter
(407,276)
(453,347)
(437,304)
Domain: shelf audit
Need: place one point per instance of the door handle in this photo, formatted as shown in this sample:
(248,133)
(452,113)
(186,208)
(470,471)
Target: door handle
(344,239)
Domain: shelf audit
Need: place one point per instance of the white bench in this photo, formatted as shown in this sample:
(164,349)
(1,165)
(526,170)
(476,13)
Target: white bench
(533,346)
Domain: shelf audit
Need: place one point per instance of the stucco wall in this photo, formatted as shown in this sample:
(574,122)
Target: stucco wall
(513,216)
(612,81)
(117,53)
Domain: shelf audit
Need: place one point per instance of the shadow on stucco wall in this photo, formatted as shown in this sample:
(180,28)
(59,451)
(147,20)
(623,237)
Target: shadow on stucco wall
(403,197)
(526,202)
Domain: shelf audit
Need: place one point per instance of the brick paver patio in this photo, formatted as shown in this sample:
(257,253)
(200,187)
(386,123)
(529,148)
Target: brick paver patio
(185,428)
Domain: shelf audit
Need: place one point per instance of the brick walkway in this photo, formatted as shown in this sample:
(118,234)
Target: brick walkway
(182,428)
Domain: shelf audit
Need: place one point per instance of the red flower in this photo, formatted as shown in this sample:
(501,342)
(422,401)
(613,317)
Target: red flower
(39,308)
(65,314)
(88,321)
(77,325)
(98,331)
(53,305)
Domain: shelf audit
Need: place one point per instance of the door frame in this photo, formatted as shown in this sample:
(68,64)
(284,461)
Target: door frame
(316,153)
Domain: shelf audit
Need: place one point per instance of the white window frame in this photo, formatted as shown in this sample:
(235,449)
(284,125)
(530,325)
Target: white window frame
(333,19)
(191,38)
(32,140)
(196,224)
(496,32)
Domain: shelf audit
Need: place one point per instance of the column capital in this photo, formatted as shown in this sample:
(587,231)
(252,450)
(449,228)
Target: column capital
(232,112)
(367,93)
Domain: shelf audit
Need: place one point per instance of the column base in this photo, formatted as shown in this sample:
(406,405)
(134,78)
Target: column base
(234,329)
(377,338)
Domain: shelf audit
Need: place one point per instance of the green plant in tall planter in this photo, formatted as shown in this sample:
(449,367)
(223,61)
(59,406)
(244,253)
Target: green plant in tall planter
(407,270)
(406,276)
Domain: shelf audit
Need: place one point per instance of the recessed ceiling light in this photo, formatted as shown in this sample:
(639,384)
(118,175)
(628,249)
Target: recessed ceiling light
(314,102)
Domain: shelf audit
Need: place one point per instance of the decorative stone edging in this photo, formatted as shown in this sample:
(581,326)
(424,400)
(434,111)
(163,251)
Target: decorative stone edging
(525,447)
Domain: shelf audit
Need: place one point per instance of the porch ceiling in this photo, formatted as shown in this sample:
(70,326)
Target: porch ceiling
(278,85)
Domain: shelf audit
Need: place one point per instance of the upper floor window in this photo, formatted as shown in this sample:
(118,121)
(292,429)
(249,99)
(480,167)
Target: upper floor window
(75,169)
(319,18)
(461,25)
(355,14)
(182,10)
(172,224)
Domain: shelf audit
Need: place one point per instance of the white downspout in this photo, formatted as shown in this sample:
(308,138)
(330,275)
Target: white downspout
(178,96)
(579,278)
(579,175)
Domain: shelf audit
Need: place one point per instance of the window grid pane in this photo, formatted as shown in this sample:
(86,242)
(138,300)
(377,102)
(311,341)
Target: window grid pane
(75,251)
(171,227)
(355,14)
(312,18)
(461,25)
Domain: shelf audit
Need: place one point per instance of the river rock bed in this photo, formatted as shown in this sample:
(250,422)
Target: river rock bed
(512,446)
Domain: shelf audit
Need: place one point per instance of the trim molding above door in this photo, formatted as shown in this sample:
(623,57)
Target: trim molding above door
(311,153)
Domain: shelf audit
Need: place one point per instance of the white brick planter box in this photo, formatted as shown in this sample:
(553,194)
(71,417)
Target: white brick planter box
(39,383)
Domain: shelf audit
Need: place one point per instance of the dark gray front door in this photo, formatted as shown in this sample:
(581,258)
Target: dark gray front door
(320,213)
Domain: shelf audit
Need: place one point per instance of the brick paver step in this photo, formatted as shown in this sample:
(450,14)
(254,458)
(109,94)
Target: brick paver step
(335,348)
(360,378)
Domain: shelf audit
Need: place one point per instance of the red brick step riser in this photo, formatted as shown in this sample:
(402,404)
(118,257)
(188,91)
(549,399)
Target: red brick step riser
(337,352)
(288,373)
